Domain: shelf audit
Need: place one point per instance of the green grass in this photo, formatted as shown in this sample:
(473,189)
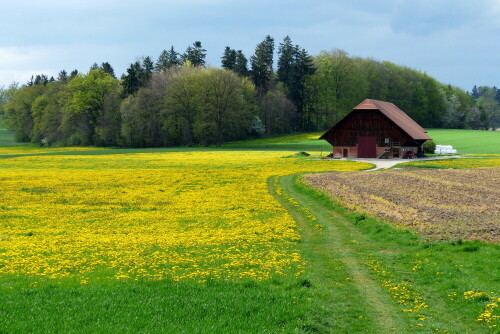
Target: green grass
(297,142)
(6,136)
(157,307)
(468,141)
(455,163)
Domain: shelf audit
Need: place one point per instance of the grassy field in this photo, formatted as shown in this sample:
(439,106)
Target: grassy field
(163,242)
(297,142)
(204,240)
(6,137)
(468,141)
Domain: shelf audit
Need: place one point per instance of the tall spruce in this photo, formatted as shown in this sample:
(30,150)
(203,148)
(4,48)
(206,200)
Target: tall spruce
(262,65)
(132,81)
(241,64)
(62,76)
(294,66)
(475,93)
(228,59)
(106,67)
(167,59)
(195,54)
(148,66)
(287,55)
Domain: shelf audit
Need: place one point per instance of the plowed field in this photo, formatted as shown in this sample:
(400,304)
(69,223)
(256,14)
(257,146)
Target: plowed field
(437,204)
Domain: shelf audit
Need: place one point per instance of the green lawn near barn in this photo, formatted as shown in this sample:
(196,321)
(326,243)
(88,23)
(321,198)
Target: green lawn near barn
(468,141)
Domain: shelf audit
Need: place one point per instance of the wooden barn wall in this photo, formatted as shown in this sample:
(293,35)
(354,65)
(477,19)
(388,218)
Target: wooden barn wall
(366,123)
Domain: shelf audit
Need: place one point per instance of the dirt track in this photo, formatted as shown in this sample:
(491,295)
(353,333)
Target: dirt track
(437,203)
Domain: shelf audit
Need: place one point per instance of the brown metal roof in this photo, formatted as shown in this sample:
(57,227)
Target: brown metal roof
(398,116)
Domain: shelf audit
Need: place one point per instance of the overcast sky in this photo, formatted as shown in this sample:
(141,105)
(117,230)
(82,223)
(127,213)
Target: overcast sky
(455,41)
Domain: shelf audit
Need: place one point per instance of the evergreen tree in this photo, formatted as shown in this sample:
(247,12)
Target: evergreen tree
(241,64)
(138,75)
(41,79)
(287,55)
(229,59)
(475,93)
(195,54)
(167,59)
(294,66)
(73,74)
(94,67)
(173,57)
(262,65)
(106,67)
(148,65)
(146,71)
(162,62)
(132,81)
(63,76)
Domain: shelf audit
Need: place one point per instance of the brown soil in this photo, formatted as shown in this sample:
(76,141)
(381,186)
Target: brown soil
(437,203)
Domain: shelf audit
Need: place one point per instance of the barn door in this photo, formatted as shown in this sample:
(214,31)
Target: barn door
(367,147)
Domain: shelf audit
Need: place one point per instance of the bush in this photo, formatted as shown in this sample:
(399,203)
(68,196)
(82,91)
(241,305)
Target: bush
(429,146)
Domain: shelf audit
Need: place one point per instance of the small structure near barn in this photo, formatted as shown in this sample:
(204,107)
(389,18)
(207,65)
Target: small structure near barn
(376,129)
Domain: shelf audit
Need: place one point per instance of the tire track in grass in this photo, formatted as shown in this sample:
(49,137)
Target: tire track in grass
(333,244)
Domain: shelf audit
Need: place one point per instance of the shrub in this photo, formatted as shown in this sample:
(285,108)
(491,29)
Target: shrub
(429,146)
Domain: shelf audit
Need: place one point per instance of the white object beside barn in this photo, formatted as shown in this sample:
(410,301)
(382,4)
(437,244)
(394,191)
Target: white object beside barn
(444,149)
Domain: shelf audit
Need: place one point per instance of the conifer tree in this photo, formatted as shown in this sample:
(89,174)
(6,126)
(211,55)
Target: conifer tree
(167,59)
(195,54)
(241,64)
(229,59)
(62,76)
(294,66)
(262,64)
(106,67)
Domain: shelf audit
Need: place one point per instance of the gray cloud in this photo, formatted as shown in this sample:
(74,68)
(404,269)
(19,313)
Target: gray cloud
(456,41)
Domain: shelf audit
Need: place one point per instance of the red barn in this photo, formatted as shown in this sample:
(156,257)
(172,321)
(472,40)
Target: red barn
(376,129)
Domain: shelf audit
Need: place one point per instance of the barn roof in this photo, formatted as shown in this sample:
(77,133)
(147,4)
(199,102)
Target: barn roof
(398,116)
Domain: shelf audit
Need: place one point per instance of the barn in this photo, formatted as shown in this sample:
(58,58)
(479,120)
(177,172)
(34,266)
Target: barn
(376,129)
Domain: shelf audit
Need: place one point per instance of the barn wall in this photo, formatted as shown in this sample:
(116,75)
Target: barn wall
(353,151)
(366,123)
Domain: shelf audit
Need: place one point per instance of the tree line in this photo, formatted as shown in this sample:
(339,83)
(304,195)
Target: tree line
(179,100)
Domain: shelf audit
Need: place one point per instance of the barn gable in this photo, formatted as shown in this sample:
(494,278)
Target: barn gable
(376,128)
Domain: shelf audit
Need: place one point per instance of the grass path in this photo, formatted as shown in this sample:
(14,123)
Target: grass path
(329,249)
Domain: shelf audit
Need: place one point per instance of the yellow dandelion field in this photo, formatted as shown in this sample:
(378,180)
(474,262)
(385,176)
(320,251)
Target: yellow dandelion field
(178,216)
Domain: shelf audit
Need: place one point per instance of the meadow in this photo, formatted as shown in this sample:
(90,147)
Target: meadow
(468,141)
(199,240)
